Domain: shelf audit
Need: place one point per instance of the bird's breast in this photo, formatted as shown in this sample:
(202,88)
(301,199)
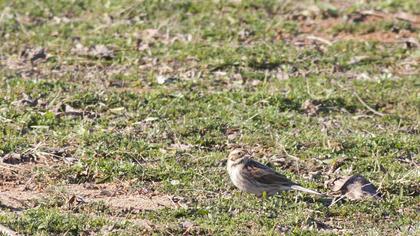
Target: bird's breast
(236,177)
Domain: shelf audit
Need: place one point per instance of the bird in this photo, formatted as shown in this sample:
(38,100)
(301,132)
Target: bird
(253,177)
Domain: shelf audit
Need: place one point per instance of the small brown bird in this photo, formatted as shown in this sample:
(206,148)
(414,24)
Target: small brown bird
(253,177)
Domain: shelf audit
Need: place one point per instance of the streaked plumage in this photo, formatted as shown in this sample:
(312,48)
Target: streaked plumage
(253,177)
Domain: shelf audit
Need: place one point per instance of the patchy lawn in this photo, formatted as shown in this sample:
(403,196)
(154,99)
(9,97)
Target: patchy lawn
(117,116)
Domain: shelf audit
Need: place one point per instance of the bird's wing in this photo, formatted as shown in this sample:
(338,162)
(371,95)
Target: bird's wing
(265,175)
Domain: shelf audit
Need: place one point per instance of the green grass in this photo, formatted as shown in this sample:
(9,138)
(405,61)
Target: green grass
(226,78)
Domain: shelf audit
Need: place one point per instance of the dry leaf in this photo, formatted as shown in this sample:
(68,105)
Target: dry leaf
(334,146)
(97,51)
(150,119)
(161,79)
(67,110)
(80,50)
(117,110)
(150,34)
(355,187)
(407,17)
(282,75)
(101,51)
(187,224)
(364,76)
(175,182)
(26,100)
(16,158)
(34,54)
(147,38)
(311,107)
(181,147)
(233,133)
(411,42)
(358,59)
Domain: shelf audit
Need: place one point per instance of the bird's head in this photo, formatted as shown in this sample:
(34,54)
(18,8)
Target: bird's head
(238,155)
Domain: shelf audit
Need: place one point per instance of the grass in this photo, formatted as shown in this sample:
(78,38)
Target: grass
(227,60)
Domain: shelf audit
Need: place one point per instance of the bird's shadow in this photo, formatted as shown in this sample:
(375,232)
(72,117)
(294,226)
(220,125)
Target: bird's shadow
(324,200)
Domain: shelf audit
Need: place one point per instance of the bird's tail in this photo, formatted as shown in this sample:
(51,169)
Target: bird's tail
(300,188)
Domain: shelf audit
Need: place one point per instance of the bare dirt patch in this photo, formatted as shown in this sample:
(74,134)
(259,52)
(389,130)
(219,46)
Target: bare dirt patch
(113,195)
(117,196)
(323,27)
(21,186)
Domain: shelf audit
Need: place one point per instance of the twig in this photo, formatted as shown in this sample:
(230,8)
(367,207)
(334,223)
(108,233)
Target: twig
(361,101)
(337,200)
(408,18)
(6,167)
(367,106)
(10,167)
(308,90)
(295,158)
(252,117)
(290,155)
(319,39)
(372,13)
(7,231)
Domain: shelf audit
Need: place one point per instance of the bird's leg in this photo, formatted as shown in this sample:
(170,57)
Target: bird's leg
(264,195)
(296,198)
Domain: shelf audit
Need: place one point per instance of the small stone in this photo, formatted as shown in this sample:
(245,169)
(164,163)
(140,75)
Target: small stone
(175,182)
